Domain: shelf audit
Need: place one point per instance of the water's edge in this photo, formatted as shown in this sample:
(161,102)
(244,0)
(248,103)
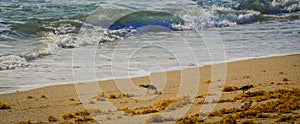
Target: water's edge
(23,89)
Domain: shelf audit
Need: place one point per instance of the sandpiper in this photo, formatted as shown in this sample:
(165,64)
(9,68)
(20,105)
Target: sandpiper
(244,88)
(149,88)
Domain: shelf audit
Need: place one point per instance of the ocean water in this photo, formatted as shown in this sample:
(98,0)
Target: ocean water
(49,42)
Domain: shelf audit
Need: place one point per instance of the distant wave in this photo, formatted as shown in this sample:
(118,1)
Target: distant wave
(270,6)
(249,11)
(262,6)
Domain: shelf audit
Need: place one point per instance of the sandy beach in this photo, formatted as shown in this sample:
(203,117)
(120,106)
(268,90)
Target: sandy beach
(180,97)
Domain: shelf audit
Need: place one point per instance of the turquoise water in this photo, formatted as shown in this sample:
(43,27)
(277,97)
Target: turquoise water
(40,40)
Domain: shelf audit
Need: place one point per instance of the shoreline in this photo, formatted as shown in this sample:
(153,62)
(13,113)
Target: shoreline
(107,79)
(38,104)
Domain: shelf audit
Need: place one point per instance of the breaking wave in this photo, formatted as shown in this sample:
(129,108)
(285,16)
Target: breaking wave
(84,25)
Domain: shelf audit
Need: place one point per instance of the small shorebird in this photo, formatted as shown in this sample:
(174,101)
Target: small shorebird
(244,88)
(149,87)
(246,105)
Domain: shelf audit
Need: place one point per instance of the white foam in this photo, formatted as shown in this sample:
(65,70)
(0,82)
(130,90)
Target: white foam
(11,62)
(5,46)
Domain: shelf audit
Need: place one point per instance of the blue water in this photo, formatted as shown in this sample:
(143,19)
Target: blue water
(40,40)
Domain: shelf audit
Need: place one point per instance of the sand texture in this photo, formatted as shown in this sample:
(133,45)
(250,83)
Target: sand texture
(180,97)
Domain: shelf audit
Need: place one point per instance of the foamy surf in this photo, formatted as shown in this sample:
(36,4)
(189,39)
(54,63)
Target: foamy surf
(12,62)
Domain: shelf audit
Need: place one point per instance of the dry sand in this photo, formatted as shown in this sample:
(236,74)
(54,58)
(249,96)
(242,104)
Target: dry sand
(105,99)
